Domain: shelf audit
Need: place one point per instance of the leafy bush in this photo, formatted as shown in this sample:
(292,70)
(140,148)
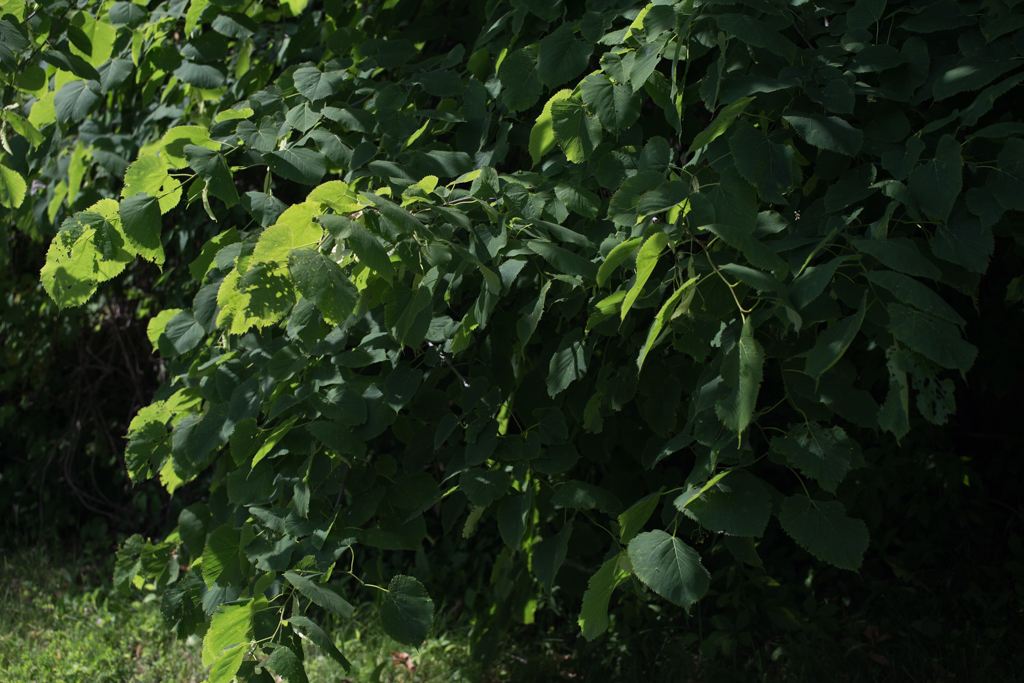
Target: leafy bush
(629,321)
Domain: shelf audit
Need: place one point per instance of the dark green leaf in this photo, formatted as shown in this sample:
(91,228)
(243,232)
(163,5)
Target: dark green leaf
(300,165)
(824,530)
(314,84)
(936,184)
(937,339)
(483,487)
(568,364)
(580,495)
(827,132)
(742,371)
(321,594)
(767,165)
(75,100)
(616,105)
(822,454)
(212,167)
(577,131)
(407,611)
(562,56)
(671,568)
(737,504)
(965,242)
(520,85)
(512,517)
(140,219)
(320,638)
(323,282)
(833,343)
(549,554)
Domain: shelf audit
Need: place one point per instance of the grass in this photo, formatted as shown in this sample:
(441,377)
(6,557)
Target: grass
(61,623)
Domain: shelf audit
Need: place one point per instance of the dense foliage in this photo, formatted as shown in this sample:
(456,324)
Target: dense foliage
(629,280)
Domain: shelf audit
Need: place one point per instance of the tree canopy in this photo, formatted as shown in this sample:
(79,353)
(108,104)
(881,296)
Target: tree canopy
(634,273)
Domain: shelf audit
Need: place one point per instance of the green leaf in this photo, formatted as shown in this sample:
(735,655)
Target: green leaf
(261,137)
(563,260)
(632,521)
(578,199)
(755,251)
(616,257)
(646,260)
(294,229)
(323,282)
(483,487)
(666,196)
(272,440)
(931,337)
(899,253)
(286,664)
(562,57)
(212,167)
(737,504)
(965,242)
(654,334)
(407,611)
(512,517)
(184,332)
(174,141)
(827,132)
(321,595)
(578,132)
(114,73)
(206,76)
(767,165)
(1009,180)
(399,217)
(75,100)
(549,554)
(742,371)
(824,530)
(744,550)
(671,568)
(833,342)
(542,136)
(593,619)
(319,637)
(314,84)
(812,282)
(141,221)
(645,61)
(616,105)
(221,554)
(527,325)
(579,495)
(226,641)
(734,200)
(12,188)
(297,164)
(520,86)
(722,122)
(757,32)
(913,293)
(71,63)
(936,184)
(822,454)
(568,364)
(149,174)
(624,204)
